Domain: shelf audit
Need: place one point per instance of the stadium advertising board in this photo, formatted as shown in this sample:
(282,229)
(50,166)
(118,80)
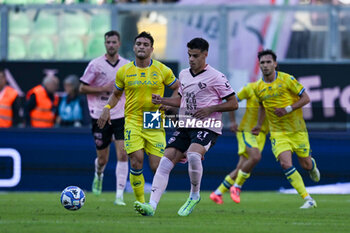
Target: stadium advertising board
(52,159)
(329,90)
(326,84)
(25,75)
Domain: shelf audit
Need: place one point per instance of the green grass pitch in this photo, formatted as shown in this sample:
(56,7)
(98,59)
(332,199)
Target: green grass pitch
(257,212)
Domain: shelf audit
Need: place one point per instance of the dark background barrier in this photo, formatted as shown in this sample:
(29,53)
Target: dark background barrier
(30,74)
(328,86)
(55,158)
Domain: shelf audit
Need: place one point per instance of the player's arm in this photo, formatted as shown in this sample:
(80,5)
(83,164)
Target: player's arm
(112,102)
(233,123)
(174,100)
(232,114)
(90,75)
(231,104)
(261,117)
(304,99)
(87,89)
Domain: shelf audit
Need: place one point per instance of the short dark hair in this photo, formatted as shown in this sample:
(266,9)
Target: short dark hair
(267,52)
(145,35)
(198,43)
(112,33)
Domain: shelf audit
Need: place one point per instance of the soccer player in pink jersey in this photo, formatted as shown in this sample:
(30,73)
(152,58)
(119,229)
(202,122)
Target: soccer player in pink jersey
(200,99)
(98,83)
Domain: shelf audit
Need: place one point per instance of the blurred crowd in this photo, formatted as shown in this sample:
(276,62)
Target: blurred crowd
(42,106)
(303,2)
(81,1)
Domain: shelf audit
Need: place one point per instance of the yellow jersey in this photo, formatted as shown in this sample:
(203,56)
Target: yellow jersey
(139,84)
(282,92)
(250,117)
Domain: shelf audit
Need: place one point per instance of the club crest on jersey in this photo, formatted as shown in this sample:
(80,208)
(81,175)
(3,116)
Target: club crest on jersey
(202,85)
(154,74)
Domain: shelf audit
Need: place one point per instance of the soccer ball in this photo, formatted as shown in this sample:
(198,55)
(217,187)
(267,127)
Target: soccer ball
(72,198)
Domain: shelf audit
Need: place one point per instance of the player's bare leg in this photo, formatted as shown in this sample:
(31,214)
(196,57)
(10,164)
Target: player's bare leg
(309,164)
(244,172)
(227,183)
(295,179)
(100,165)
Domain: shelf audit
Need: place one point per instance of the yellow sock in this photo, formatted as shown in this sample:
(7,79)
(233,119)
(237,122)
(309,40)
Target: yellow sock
(137,182)
(296,181)
(226,184)
(241,178)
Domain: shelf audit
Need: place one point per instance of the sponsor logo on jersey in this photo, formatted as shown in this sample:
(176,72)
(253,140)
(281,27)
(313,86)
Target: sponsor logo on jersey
(131,75)
(154,74)
(147,83)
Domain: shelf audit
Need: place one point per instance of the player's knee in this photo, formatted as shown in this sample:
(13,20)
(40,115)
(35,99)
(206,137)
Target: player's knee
(255,156)
(102,161)
(135,163)
(285,165)
(122,156)
(154,167)
(256,159)
(306,164)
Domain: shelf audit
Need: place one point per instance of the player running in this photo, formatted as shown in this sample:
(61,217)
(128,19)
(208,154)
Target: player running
(200,99)
(139,79)
(249,146)
(281,97)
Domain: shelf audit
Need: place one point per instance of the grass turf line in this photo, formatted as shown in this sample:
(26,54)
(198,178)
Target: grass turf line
(258,212)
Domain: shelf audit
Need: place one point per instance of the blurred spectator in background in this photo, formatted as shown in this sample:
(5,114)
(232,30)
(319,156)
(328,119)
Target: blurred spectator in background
(98,82)
(72,108)
(40,109)
(9,103)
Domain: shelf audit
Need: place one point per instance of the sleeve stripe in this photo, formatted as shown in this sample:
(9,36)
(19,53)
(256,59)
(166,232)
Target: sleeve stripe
(120,89)
(301,91)
(172,82)
(233,93)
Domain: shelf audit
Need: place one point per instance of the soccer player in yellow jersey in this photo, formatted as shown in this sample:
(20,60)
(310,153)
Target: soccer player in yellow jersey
(139,79)
(281,97)
(249,146)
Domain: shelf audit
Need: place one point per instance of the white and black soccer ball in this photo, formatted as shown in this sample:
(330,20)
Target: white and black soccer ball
(72,198)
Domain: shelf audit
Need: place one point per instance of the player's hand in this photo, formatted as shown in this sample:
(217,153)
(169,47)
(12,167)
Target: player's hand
(256,130)
(280,112)
(233,127)
(105,117)
(164,107)
(202,113)
(156,99)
